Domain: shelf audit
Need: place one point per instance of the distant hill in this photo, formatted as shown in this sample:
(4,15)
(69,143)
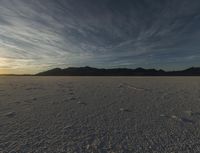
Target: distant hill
(90,71)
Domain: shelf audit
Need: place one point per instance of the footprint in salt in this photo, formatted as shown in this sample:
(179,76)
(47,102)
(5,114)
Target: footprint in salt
(34,99)
(72,98)
(71,93)
(67,127)
(54,102)
(10,114)
(124,110)
(17,102)
(120,86)
(82,103)
(174,117)
(164,115)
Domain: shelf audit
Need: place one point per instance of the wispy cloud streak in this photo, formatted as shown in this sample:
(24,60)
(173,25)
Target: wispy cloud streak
(107,33)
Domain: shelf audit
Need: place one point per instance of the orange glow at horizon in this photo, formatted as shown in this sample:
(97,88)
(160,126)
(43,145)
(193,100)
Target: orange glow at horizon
(17,71)
(7,71)
(3,71)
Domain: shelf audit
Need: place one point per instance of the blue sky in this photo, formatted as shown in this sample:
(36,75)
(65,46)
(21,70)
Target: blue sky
(37,35)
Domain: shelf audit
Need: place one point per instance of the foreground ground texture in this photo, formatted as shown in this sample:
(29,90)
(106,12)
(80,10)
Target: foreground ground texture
(99,114)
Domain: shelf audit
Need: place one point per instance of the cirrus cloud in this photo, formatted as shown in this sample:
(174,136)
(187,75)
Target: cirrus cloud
(107,33)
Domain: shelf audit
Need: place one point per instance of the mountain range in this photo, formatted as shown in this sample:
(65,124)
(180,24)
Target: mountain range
(90,71)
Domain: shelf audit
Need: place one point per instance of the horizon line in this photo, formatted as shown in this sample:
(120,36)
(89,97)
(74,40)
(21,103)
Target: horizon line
(157,69)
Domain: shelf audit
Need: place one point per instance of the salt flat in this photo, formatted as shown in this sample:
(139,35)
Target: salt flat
(99,114)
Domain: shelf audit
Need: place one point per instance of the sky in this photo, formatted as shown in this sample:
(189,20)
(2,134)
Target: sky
(36,35)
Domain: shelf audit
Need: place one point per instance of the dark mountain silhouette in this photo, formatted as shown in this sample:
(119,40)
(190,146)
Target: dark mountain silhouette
(90,71)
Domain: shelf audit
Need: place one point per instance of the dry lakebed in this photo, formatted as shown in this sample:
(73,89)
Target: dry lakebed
(99,114)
